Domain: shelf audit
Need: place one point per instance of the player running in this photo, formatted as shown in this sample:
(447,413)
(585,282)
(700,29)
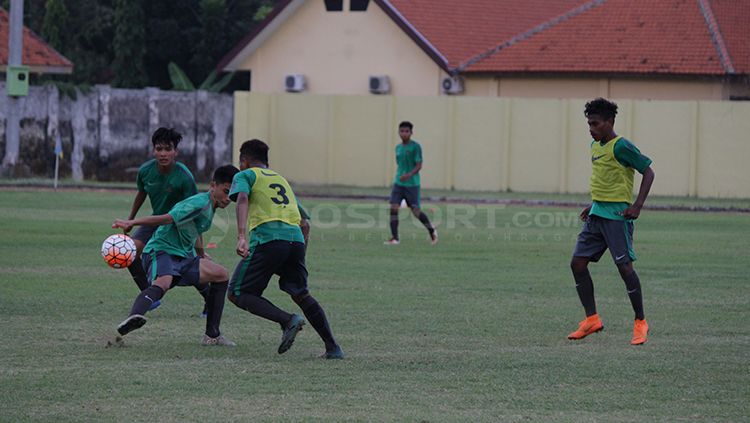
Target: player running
(170,257)
(609,218)
(406,183)
(278,232)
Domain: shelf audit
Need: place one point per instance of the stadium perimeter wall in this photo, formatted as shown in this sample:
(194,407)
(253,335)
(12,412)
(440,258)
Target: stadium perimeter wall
(699,148)
(106,132)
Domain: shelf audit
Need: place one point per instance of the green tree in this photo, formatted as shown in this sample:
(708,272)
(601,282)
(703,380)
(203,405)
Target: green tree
(55,20)
(129,44)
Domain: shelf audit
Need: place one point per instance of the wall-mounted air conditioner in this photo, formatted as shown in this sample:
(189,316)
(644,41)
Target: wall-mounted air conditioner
(453,85)
(295,83)
(380,84)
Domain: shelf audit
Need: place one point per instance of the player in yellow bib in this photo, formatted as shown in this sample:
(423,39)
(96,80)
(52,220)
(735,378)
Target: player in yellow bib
(267,208)
(609,218)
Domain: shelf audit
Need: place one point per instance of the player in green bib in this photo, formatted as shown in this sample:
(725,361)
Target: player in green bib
(609,219)
(165,182)
(406,183)
(267,208)
(171,257)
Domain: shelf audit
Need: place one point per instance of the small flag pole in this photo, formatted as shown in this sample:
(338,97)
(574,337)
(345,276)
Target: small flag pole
(58,154)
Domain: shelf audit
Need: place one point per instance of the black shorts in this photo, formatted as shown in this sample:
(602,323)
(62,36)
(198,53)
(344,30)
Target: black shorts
(185,271)
(283,258)
(410,194)
(144,233)
(599,233)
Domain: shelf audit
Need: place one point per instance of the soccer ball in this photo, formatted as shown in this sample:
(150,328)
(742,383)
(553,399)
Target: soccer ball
(118,251)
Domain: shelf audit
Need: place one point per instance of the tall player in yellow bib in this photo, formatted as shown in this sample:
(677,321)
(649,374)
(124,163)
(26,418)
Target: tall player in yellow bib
(278,228)
(609,218)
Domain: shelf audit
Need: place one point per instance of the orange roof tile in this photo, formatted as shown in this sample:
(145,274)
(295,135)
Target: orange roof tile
(37,54)
(681,37)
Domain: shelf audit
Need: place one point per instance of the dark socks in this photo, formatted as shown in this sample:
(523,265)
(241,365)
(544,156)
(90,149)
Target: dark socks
(204,290)
(317,318)
(144,300)
(633,285)
(138,274)
(261,307)
(394,224)
(215,294)
(585,288)
(426,222)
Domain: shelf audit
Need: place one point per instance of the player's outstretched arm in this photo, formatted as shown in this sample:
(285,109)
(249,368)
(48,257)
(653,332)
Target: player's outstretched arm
(162,219)
(138,201)
(242,206)
(634,211)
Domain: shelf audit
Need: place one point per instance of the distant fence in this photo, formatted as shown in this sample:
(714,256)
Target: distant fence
(699,148)
(106,133)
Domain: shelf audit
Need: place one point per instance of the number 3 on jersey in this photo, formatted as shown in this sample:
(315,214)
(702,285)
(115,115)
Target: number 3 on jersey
(282,199)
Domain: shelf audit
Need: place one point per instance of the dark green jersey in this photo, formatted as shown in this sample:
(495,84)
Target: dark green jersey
(407,157)
(164,191)
(269,230)
(192,217)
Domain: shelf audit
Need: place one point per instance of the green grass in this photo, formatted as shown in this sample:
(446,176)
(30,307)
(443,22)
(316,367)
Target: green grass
(472,329)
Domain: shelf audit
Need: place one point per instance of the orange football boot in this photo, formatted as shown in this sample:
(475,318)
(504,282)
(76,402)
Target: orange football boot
(640,331)
(591,324)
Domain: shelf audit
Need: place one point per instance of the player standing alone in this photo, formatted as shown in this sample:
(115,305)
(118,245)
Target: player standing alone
(609,219)
(165,182)
(267,207)
(406,183)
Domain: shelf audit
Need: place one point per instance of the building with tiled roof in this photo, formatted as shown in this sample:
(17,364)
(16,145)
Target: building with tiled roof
(37,55)
(666,49)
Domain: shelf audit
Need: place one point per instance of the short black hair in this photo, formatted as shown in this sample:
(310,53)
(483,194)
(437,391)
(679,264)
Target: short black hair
(224,174)
(166,136)
(406,124)
(255,149)
(602,107)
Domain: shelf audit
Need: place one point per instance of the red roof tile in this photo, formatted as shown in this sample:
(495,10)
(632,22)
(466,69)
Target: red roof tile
(36,53)
(733,18)
(633,36)
(460,30)
(683,37)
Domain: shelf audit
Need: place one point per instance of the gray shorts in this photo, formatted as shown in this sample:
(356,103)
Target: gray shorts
(185,271)
(144,233)
(410,194)
(599,233)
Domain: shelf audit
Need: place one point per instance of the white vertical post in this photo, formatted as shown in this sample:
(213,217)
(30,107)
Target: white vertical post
(15,47)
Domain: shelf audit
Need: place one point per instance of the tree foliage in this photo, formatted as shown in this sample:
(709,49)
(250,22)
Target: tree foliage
(130,43)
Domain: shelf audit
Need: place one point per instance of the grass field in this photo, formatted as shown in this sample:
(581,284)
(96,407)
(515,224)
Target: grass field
(472,329)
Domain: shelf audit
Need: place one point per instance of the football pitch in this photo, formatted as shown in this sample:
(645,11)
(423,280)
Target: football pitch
(472,329)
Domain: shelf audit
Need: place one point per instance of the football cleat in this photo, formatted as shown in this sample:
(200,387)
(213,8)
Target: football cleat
(392,241)
(640,332)
(434,237)
(335,354)
(586,327)
(290,332)
(130,324)
(207,341)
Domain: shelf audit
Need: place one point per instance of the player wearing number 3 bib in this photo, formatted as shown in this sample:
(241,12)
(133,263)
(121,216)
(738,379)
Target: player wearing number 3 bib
(267,208)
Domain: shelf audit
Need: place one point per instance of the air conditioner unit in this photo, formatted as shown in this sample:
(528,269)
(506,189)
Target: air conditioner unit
(453,85)
(380,84)
(295,83)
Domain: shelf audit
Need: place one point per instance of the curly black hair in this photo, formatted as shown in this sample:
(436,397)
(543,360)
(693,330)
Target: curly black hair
(601,107)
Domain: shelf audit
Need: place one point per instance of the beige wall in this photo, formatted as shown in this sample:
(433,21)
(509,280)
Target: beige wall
(495,144)
(338,51)
(559,87)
